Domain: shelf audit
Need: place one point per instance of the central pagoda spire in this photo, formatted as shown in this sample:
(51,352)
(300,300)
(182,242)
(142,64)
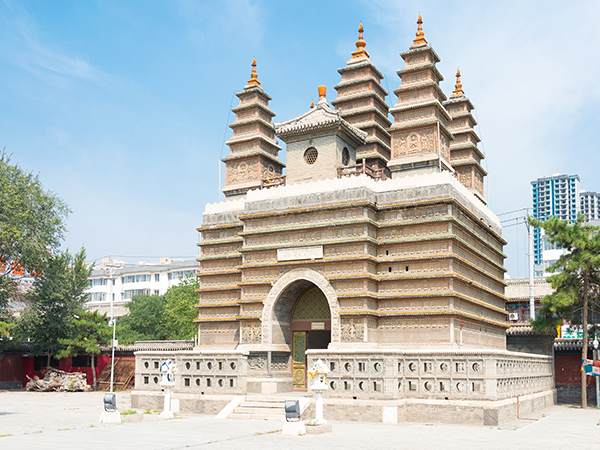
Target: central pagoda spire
(420,39)
(420,135)
(360,45)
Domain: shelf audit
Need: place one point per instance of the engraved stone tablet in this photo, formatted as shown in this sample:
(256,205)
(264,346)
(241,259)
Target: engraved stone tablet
(292,254)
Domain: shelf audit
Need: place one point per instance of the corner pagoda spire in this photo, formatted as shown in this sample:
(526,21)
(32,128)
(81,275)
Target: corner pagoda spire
(360,45)
(253,157)
(253,81)
(458,86)
(465,156)
(420,39)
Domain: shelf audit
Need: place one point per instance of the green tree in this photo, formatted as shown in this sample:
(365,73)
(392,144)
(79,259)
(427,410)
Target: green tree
(576,282)
(31,225)
(146,320)
(89,330)
(181,301)
(56,296)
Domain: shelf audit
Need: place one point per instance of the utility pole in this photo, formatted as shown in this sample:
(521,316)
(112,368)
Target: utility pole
(531,295)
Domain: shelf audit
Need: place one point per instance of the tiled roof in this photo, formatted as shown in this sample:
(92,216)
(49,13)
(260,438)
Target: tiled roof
(321,116)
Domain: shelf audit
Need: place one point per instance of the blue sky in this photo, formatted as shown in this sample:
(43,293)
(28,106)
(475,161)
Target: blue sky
(122,107)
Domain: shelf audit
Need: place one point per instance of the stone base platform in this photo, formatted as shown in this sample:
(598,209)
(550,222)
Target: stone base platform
(488,413)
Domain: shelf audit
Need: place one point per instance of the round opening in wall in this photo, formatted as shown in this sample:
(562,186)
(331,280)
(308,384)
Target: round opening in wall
(310,155)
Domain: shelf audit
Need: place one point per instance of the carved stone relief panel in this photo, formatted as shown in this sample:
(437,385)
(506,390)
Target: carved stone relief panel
(251,333)
(413,143)
(352,329)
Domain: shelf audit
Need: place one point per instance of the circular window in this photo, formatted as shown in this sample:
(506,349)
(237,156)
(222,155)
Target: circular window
(345,157)
(311,155)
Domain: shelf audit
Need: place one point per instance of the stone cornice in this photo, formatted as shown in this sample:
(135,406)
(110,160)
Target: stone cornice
(253,90)
(241,123)
(360,95)
(402,107)
(465,146)
(359,65)
(253,105)
(406,70)
(421,49)
(251,137)
(361,80)
(257,152)
(367,110)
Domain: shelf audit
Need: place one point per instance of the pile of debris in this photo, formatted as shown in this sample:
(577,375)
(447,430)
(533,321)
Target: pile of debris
(58,380)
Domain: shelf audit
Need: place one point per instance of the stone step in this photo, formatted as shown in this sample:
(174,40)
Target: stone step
(280,406)
(235,415)
(258,398)
(258,410)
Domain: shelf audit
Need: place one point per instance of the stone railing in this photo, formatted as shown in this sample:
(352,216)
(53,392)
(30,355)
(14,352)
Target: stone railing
(210,372)
(358,169)
(443,375)
(272,182)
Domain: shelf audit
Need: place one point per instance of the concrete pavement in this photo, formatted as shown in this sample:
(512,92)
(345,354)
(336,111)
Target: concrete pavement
(70,421)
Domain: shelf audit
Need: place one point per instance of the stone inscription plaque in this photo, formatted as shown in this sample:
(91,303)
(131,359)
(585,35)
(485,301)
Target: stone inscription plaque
(293,254)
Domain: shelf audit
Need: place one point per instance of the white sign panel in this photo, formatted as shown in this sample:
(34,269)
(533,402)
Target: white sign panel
(298,253)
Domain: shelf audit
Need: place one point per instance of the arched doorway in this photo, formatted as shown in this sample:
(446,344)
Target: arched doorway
(310,326)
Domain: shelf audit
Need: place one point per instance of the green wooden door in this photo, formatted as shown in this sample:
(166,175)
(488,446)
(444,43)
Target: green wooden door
(299,359)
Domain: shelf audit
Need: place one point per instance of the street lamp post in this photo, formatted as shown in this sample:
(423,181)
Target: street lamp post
(596,344)
(113,323)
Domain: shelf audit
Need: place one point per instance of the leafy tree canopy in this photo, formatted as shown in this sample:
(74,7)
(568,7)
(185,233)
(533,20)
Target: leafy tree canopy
(181,310)
(31,224)
(57,295)
(89,330)
(146,320)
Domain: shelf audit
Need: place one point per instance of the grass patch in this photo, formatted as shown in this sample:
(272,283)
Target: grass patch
(129,412)
(5,435)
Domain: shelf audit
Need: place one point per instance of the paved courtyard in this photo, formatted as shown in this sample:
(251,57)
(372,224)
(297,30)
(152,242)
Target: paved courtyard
(70,421)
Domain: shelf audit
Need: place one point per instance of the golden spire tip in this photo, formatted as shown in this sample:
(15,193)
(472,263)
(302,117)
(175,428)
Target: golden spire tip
(360,45)
(458,91)
(253,81)
(420,35)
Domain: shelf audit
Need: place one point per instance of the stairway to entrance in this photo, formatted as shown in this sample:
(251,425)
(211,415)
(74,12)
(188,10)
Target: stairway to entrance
(260,407)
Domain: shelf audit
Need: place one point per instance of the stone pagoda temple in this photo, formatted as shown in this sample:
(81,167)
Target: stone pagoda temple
(371,249)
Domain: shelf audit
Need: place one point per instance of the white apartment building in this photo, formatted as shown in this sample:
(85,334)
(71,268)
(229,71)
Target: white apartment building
(120,281)
(589,205)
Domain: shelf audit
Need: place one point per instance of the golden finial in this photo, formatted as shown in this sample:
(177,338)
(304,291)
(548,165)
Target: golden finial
(253,81)
(360,45)
(312,104)
(457,92)
(420,39)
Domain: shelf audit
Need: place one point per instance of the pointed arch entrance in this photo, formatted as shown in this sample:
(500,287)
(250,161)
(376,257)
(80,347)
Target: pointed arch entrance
(310,326)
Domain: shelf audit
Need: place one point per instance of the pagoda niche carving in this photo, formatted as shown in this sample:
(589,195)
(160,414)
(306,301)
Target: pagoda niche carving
(465,156)
(420,138)
(361,102)
(253,155)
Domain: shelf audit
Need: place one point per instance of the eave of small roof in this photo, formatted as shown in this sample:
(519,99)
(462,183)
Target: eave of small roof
(319,117)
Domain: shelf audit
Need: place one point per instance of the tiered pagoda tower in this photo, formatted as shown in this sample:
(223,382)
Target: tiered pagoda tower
(420,136)
(361,101)
(465,156)
(254,151)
